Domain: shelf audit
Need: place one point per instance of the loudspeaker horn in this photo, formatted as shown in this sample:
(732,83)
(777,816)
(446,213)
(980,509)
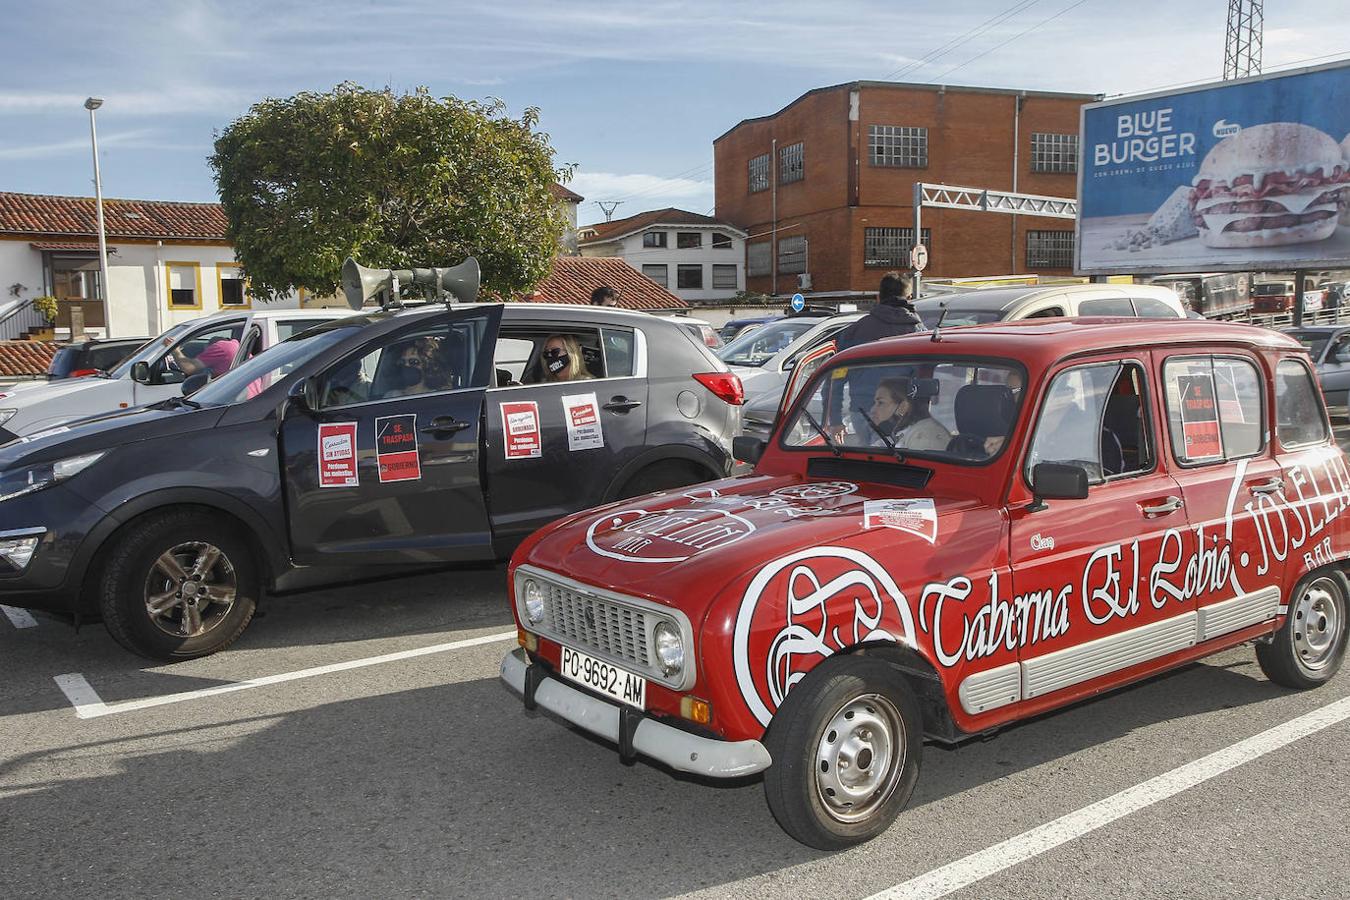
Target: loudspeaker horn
(359,283)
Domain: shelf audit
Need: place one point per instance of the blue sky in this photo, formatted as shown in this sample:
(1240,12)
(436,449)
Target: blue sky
(633,93)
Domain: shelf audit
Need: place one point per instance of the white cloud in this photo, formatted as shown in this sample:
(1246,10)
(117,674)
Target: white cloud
(142,138)
(182,99)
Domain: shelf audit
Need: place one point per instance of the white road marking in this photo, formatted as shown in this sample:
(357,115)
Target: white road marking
(88,705)
(980,865)
(21,618)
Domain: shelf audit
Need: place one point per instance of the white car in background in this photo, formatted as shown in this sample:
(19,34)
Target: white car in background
(151,374)
(765,357)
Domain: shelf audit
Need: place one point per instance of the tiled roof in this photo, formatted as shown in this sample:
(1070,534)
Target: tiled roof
(46,214)
(608,231)
(563,193)
(64,245)
(574,277)
(25,357)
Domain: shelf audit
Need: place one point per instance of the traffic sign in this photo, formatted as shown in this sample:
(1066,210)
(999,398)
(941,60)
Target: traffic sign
(798,303)
(918,257)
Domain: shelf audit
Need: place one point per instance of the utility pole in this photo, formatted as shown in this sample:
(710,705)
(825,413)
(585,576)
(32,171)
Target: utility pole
(608,207)
(92,104)
(1242,43)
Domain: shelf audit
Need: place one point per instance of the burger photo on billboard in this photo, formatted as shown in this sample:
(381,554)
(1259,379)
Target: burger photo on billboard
(1345,202)
(1271,185)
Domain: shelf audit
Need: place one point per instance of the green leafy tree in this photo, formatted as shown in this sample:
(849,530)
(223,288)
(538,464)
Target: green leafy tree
(392,180)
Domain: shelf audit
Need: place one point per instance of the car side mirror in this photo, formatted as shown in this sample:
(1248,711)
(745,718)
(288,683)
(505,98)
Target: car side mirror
(140,372)
(1057,481)
(747,449)
(196,382)
(304,394)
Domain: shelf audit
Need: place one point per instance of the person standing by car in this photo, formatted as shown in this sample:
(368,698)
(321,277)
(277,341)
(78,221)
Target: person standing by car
(893,316)
(562,359)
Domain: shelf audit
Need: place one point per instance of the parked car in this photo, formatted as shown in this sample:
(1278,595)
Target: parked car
(1277,296)
(1329,347)
(1111,500)
(1038,302)
(701,329)
(765,357)
(374,444)
(152,373)
(90,357)
(734,328)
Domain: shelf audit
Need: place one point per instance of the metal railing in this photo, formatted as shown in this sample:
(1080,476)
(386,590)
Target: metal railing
(1286,319)
(20,319)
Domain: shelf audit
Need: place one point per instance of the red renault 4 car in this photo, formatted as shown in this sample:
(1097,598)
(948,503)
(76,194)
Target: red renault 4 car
(948,533)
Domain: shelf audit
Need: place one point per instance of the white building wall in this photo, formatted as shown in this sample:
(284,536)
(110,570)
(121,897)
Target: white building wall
(636,255)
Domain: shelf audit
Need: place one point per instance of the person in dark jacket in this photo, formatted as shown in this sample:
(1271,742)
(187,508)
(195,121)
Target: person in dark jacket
(893,316)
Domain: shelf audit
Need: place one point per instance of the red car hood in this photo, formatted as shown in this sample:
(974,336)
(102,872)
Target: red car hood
(682,547)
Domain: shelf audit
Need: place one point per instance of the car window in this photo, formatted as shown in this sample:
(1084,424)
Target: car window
(756,347)
(1051,312)
(1106,306)
(619,355)
(510,359)
(930,407)
(1153,308)
(432,358)
(215,347)
(540,354)
(1341,352)
(1213,408)
(106,358)
(1096,417)
(291,327)
(1315,341)
(263,370)
(151,350)
(1298,413)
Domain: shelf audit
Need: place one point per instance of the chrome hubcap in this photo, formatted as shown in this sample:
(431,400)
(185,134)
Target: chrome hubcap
(1318,619)
(860,757)
(190,588)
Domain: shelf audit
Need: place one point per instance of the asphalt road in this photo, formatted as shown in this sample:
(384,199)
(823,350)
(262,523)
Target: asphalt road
(408,770)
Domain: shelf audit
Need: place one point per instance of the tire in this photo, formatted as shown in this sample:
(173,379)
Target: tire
(662,476)
(853,710)
(200,612)
(1309,647)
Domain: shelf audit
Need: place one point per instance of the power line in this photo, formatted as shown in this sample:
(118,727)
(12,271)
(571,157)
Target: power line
(970,35)
(1019,35)
(1280,68)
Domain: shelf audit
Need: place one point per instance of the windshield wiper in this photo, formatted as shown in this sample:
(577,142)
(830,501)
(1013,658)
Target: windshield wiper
(890,444)
(829,441)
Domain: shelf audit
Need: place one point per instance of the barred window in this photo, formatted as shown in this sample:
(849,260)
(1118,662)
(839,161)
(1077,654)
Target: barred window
(792,255)
(898,145)
(1055,153)
(1049,249)
(657,272)
(759,173)
(791,164)
(724,277)
(757,259)
(689,277)
(888,248)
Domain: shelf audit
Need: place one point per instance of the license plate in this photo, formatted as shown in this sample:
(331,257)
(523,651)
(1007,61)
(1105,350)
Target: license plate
(601,676)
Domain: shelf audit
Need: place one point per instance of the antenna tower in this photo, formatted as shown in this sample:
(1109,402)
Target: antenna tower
(608,206)
(1242,45)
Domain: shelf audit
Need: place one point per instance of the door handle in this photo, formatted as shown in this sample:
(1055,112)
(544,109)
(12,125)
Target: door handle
(1273,486)
(1170,505)
(444,425)
(621,404)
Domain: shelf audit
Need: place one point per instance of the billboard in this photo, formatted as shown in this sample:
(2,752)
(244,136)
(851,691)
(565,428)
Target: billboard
(1236,176)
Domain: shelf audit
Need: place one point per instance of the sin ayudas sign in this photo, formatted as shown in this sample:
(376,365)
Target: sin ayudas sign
(1244,175)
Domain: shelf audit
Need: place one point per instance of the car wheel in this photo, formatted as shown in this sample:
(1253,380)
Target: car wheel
(662,476)
(1310,645)
(178,585)
(846,746)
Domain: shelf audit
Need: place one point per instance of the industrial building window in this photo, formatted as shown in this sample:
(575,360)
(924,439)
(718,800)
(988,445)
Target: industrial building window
(791,164)
(724,277)
(657,274)
(654,239)
(721,241)
(689,277)
(759,173)
(1055,153)
(792,255)
(689,240)
(898,145)
(888,248)
(1049,249)
(757,259)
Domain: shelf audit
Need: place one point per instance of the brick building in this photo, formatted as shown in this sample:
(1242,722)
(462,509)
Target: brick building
(835,169)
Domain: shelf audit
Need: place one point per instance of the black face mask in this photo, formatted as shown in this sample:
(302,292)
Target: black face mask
(407,375)
(557,360)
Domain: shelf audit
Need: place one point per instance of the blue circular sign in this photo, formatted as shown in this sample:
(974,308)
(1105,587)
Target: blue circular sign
(798,303)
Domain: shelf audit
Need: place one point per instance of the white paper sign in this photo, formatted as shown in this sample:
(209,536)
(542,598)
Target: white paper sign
(582,414)
(917,516)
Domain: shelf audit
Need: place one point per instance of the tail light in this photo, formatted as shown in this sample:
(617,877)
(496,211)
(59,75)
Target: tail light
(725,385)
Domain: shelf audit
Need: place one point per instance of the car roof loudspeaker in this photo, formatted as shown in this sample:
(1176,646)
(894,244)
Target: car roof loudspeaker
(359,283)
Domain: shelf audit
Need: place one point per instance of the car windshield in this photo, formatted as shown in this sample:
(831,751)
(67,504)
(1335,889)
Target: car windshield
(931,407)
(262,371)
(931,313)
(1313,341)
(151,351)
(1270,289)
(756,347)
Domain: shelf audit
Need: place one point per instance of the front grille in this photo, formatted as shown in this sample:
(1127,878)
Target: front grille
(586,621)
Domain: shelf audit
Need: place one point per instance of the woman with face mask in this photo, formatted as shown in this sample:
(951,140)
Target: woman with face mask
(905,417)
(562,360)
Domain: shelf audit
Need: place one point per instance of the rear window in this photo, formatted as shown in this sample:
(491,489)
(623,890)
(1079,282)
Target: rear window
(1106,306)
(953,317)
(63,362)
(1152,308)
(1269,289)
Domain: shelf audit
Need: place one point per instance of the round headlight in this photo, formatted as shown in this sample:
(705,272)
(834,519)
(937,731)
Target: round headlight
(534,602)
(669,648)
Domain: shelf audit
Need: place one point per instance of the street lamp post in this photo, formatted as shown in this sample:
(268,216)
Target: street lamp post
(92,104)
